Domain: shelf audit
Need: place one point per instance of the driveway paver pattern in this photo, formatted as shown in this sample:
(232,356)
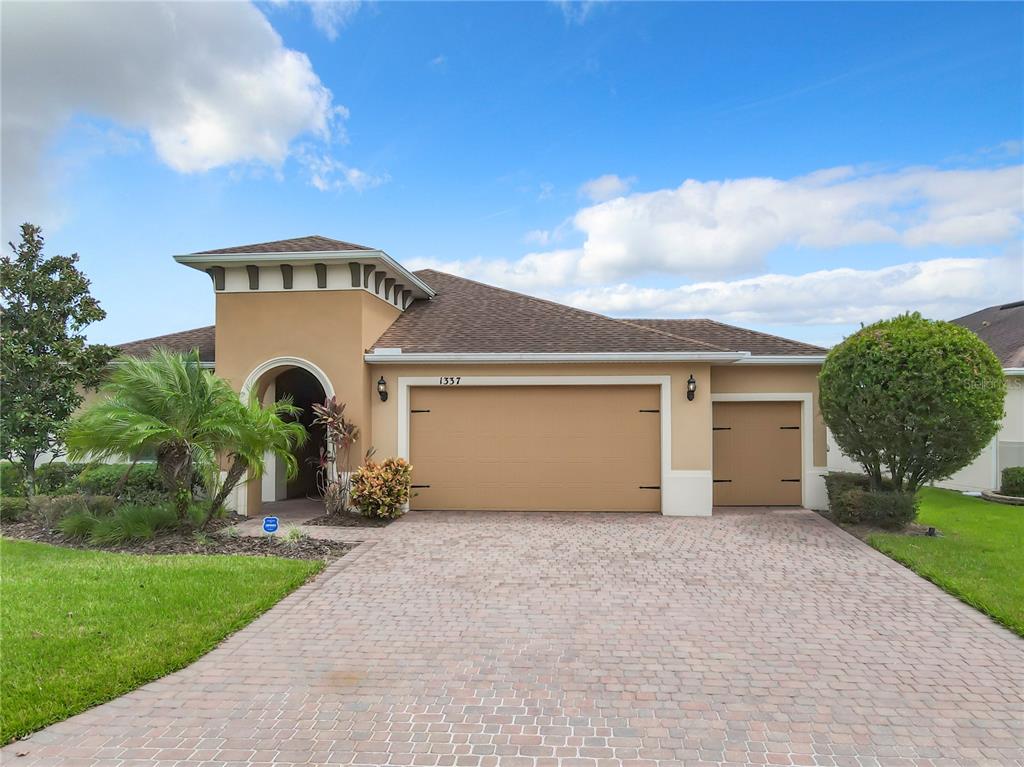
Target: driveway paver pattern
(585,640)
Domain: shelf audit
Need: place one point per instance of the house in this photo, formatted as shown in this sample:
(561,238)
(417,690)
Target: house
(1002,328)
(507,402)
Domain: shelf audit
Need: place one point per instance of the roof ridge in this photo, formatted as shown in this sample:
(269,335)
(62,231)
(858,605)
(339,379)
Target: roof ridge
(242,248)
(761,332)
(567,308)
(731,327)
(167,335)
(672,335)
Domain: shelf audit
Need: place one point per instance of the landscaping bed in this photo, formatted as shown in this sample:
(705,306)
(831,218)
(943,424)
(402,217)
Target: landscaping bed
(83,627)
(215,541)
(348,519)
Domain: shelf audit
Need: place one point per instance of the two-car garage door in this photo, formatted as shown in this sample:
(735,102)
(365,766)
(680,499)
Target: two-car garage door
(534,448)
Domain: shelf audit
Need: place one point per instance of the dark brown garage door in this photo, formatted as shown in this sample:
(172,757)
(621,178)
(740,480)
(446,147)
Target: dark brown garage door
(757,454)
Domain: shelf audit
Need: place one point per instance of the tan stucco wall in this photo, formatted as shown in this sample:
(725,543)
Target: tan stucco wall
(691,421)
(331,329)
(751,379)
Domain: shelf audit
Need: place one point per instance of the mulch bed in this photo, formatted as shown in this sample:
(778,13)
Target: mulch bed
(866,531)
(186,543)
(348,519)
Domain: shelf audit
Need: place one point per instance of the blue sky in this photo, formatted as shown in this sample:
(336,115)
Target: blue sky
(797,168)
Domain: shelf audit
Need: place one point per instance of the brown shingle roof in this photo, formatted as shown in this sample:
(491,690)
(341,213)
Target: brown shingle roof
(183,341)
(1002,328)
(733,338)
(467,316)
(314,243)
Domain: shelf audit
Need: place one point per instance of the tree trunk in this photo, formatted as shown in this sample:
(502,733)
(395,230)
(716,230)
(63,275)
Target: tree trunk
(175,463)
(124,480)
(28,463)
(235,473)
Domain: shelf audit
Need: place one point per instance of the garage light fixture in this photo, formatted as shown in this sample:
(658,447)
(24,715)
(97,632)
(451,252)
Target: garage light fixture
(382,389)
(691,388)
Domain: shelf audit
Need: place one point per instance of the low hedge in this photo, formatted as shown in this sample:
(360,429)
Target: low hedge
(12,479)
(143,484)
(13,509)
(851,501)
(1013,482)
(58,478)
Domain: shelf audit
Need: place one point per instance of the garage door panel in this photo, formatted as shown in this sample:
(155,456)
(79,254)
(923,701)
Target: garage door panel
(757,454)
(585,448)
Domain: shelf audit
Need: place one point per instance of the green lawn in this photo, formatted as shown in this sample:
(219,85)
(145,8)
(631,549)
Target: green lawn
(979,558)
(81,627)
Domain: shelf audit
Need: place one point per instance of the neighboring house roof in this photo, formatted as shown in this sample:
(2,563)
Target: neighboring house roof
(733,338)
(469,317)
(1002,328)
(184,341)
(314,243)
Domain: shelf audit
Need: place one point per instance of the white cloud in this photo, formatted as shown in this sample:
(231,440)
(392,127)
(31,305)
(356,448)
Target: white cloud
(331,16)
(718,229)
(211,84)
(942,288)
(606,187)
(576,11)
(329,174)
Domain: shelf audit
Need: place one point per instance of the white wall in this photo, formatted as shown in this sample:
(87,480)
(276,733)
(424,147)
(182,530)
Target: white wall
(1007,449)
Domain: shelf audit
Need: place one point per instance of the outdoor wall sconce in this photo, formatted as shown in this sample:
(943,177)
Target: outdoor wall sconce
(691,388)
(382,389)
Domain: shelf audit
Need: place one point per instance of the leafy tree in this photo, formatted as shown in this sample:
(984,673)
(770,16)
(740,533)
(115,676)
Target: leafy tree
(919,397)
(168,405)
(45,362)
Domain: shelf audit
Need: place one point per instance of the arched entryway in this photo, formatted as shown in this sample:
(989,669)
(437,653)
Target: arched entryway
(306,385)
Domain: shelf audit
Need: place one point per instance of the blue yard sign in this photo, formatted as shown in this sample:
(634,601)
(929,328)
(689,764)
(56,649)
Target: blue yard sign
(270,524)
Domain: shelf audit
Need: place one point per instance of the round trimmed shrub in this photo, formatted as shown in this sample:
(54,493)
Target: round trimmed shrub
(382,489)
(919,397)
(1013,482)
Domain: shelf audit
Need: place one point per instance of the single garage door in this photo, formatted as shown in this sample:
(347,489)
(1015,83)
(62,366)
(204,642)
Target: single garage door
(536,448)
(757,454)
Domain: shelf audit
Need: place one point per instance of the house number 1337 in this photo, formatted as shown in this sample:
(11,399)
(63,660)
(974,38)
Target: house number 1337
(450,380)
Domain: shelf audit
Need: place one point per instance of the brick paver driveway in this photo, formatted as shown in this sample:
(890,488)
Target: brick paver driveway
(534,639)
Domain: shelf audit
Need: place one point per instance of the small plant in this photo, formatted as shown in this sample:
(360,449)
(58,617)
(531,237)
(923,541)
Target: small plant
(1013,481)
(231,532)
(382,489)
(78,525)
(133,523)
(295,536)
(334,463)
(202,539)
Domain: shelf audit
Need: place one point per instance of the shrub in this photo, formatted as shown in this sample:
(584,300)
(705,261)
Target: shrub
(852,502)
(58,478)
(143,485)
(919,397)
(12,479)
(101,504)
(133,523)
(892,510)
(838,482)
(1013,481)
(52,509)
(13,509)
(381,489)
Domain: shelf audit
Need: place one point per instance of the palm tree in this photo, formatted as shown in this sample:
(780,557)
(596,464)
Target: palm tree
(260,430)
(168,405)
